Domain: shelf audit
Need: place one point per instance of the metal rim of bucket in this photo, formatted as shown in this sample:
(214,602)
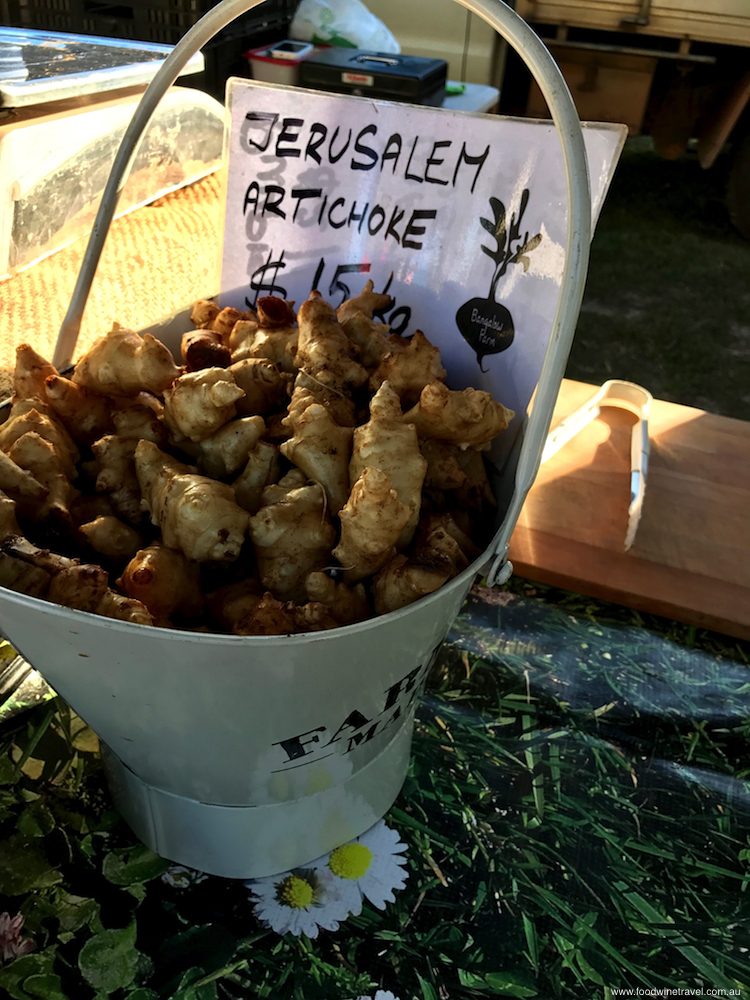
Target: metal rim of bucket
(555,91)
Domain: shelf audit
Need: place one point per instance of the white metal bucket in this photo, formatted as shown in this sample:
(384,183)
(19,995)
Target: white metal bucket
(237,756)
(246,756)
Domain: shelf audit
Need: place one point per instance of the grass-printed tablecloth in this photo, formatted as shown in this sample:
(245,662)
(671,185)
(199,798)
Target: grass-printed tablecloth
(576,815)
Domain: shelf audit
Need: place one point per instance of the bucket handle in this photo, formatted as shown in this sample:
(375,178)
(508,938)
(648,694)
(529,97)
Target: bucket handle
(555,91)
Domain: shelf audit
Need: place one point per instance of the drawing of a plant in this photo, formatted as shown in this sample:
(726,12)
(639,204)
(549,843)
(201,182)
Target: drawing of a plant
(506,235)
(486,324)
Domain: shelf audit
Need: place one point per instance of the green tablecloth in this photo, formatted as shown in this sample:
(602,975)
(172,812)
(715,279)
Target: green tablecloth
(577,821)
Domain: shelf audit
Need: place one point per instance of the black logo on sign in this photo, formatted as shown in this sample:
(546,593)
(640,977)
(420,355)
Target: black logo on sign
(484,323)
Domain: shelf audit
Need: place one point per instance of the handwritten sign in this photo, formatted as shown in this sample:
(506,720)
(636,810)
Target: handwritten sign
(461,218)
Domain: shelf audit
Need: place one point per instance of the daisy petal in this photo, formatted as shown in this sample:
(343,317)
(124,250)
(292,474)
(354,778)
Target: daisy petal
(370,866)
(299,902)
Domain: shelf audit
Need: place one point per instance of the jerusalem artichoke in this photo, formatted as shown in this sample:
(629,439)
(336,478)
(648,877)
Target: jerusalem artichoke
(390,444)
(204,349)
(368,302)
(199,403)
(111,537)
(30,373)
(323,350)
(409,366)
(123,363)
(291,538)
(319,447)
(164,581)
(262,470)
(196,515)
(371,524)
(469,419)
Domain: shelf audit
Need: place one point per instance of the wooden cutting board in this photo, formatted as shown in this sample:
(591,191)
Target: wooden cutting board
(691,556)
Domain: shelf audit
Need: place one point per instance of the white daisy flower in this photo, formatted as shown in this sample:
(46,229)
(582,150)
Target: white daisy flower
(381,995)
(298,902)
(180,877)
(368,866)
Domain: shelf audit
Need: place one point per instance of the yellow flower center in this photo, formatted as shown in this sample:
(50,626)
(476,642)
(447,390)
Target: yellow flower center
(295,892)
(350,861)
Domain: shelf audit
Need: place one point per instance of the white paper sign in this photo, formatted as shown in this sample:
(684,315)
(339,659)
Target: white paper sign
(460,217)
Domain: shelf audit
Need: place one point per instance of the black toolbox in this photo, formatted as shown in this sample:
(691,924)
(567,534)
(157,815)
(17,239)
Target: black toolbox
(410,79)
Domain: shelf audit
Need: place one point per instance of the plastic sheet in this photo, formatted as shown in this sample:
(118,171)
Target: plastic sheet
(341,22)
(577,815)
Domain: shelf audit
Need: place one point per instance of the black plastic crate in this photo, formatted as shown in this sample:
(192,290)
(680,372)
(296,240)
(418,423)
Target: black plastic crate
(49,15)
(164,22)
(225,57)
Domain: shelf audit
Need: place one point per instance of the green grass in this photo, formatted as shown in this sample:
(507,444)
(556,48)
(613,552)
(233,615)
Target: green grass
(667,304)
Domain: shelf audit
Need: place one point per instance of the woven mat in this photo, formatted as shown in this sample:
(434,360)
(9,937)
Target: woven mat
(155,261)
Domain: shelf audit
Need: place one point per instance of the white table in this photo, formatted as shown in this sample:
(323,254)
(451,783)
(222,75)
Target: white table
(476,97)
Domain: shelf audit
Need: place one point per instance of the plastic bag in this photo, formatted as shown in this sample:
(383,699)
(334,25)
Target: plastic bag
(346,23)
